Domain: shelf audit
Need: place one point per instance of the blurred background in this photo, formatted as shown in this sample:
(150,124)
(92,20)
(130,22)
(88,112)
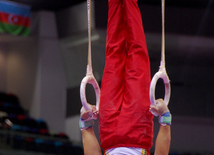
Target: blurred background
(44,69)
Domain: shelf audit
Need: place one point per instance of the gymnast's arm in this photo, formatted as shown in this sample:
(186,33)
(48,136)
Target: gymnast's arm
(163,140)
(90,143)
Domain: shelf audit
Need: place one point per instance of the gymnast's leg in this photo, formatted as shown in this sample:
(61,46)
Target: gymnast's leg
(135,115)
(112,87)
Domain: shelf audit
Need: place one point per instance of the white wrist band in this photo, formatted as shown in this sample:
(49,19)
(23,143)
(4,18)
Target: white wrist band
(85,124)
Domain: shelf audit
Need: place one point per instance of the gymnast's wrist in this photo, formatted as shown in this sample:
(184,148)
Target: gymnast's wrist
(85,123)
(165,119)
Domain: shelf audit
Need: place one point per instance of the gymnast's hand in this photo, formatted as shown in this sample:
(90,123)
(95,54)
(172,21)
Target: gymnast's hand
(89,114)
(159,109)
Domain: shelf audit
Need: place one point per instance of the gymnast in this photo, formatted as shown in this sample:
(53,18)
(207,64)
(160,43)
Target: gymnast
(125,118)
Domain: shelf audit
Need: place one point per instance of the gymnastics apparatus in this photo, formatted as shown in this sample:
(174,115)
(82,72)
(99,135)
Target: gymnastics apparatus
(89,78)
(162,69)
